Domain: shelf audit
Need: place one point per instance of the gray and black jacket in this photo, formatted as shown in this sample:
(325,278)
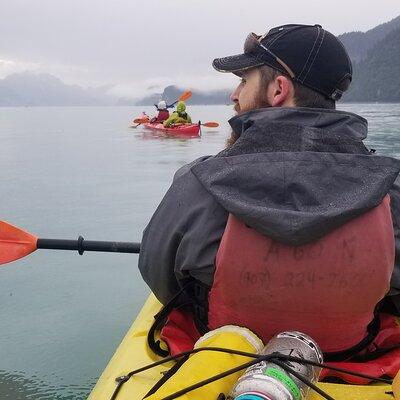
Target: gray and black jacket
(294,174)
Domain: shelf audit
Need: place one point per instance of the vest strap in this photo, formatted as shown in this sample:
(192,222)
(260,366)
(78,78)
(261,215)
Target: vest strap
(199,297)
(192,296)
(160,319)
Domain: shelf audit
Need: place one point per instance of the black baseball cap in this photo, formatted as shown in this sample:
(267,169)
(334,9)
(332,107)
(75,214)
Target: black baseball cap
(309,54)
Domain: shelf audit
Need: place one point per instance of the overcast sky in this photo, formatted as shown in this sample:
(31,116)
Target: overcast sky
(135,45)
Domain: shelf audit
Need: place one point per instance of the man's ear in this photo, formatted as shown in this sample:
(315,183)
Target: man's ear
(281,92)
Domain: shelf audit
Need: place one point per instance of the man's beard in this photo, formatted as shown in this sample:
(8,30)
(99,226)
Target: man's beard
(260,101)
(237,109)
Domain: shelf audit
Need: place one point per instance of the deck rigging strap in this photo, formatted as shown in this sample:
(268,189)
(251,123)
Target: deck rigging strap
(276,357)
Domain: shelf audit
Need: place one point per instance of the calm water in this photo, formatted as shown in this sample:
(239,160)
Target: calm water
(71,171)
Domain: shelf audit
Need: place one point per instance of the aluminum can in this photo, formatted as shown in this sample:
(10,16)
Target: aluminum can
(268,381)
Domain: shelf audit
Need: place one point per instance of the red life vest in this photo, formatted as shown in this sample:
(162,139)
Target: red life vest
(327,289)
(162,116)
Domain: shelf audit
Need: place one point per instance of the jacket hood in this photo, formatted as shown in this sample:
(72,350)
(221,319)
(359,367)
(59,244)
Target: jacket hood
(181,107)
(295,174)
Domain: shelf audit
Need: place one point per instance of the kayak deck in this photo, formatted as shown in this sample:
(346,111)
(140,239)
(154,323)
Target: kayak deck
(134,353)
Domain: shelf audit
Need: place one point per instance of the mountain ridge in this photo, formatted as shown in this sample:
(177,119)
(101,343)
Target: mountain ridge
(374,80)
(358,43)
(31,89)
(172,93)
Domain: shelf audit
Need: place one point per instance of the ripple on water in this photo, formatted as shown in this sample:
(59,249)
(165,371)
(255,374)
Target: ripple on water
(17,386)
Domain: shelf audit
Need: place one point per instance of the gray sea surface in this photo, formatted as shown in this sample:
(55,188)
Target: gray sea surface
(70,171)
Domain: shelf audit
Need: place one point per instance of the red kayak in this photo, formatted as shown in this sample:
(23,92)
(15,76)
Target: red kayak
(183,130)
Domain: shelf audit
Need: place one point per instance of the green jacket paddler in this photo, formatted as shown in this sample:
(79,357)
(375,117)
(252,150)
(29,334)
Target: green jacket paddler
(180,116)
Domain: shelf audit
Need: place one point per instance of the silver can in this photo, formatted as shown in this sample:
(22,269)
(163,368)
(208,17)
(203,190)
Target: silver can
(268,381)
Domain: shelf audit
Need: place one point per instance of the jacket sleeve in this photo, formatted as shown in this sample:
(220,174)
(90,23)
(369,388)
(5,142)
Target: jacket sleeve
(182,238)
(394,294)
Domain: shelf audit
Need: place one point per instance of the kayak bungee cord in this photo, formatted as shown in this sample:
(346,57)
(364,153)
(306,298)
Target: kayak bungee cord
(302,378)
(273,358)
(337,369)
(124,378)
(276,358)
(214,378)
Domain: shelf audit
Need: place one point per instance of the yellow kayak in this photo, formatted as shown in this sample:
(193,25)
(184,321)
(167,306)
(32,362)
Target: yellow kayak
(134,353)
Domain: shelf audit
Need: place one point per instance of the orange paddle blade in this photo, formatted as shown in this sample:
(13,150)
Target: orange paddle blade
(211,124)
(140,120)
(185,96)
(15,243)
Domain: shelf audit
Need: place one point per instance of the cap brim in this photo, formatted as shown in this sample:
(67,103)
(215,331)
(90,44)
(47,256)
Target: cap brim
(236,63)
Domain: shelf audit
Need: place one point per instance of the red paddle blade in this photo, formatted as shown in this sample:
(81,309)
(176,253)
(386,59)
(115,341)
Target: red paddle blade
(211,124)
(15,243)
(185,96)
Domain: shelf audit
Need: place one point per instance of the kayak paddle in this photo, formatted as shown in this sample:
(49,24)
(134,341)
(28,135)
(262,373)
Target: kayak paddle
(210,124)
(185,96)
(16,243)
(207,124)
(140,121)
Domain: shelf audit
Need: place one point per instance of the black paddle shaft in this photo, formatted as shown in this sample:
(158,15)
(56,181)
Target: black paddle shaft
(82,245)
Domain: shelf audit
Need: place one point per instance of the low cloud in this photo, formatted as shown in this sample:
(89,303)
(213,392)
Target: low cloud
(205,83)
(69,74)
(8,67)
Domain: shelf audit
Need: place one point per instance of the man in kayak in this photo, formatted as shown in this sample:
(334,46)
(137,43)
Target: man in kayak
(163,113)
(180,116)
(291,226)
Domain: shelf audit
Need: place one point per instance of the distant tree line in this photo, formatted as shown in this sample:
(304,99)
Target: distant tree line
(376,75)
